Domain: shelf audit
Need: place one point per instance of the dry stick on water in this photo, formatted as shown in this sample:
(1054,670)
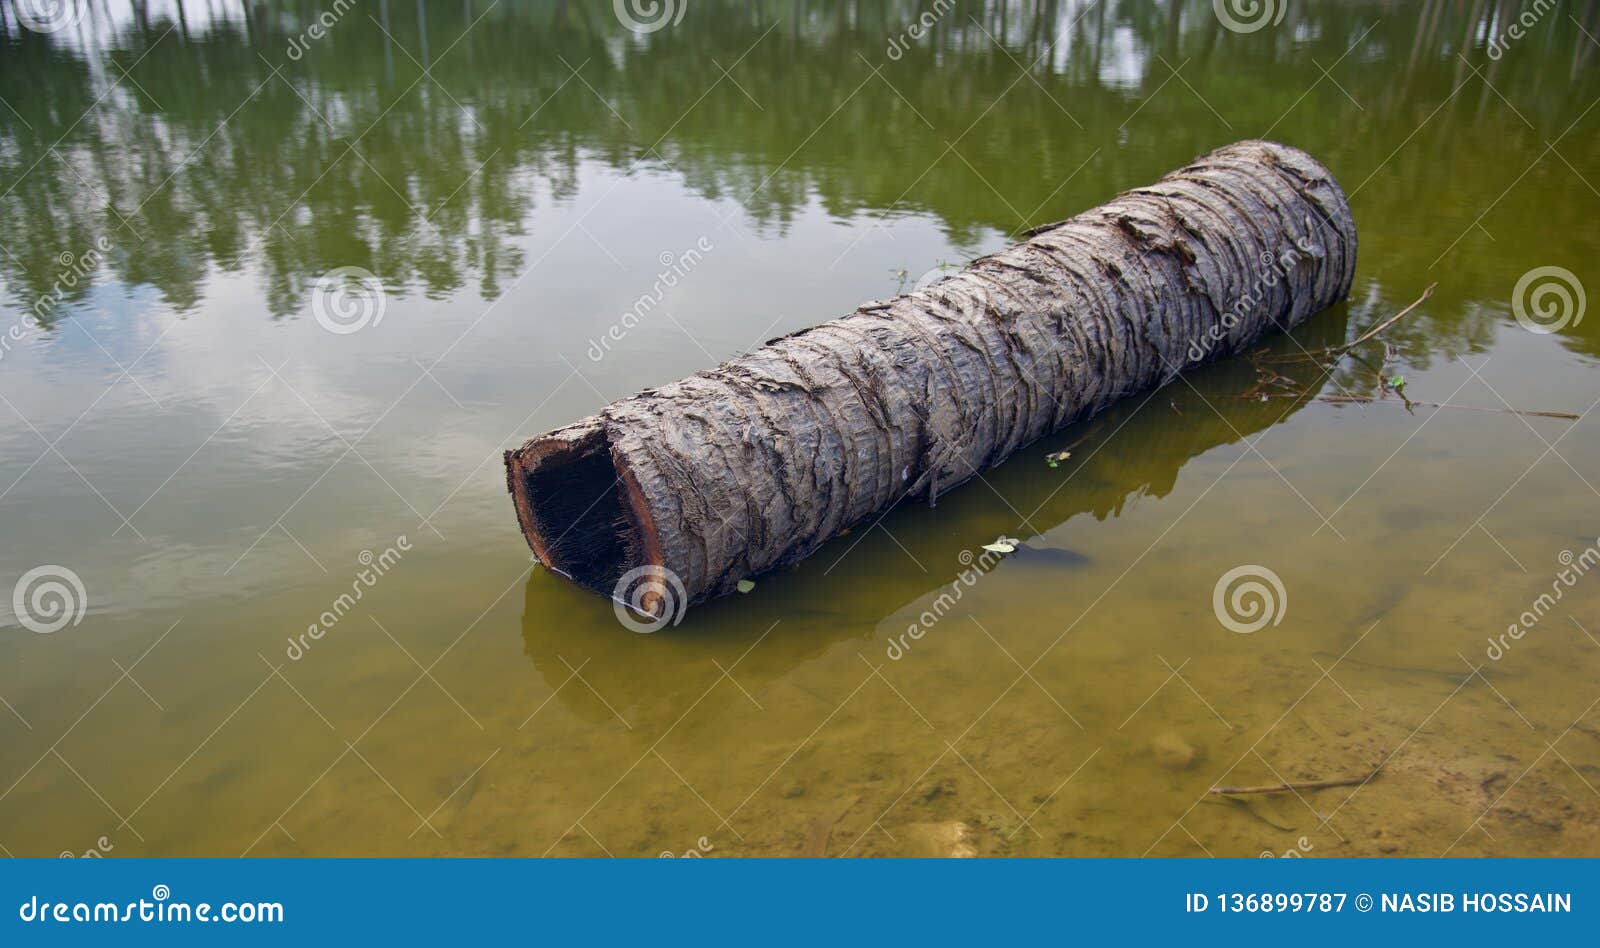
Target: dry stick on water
(1364,337)
(1360,400)
(1272,377)
(1386,323)
(1372,400)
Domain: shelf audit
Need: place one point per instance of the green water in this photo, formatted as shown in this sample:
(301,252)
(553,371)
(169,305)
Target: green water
(179,431)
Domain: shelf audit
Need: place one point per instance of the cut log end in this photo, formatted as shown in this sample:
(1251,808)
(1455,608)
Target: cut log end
(580,507)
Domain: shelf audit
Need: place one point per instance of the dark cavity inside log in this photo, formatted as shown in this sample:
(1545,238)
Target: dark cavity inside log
(579,516)
(756,463)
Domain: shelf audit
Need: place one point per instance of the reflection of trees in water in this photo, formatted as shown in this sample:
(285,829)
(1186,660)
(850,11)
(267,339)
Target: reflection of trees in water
(215,162)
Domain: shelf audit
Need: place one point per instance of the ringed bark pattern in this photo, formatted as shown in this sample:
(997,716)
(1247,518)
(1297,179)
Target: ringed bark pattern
(756,463)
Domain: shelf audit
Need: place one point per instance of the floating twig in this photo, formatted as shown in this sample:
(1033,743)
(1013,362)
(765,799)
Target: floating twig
(1312,355)
(1371,400)
(1388,322)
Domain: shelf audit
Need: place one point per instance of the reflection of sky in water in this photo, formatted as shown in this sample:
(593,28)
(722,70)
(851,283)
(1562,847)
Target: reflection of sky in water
(514,242)
(208,372)
(209,290)
(500,238)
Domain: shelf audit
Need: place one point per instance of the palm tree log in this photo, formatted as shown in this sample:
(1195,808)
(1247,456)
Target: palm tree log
(756,463)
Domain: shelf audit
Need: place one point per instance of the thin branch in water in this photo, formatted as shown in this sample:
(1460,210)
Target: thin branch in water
(1388,322)
(1299,785)
(1369,400)
(1333,352)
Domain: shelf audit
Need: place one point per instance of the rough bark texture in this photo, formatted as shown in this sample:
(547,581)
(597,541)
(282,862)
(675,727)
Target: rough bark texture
(756,463)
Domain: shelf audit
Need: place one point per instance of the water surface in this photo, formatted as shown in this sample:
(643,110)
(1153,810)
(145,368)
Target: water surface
(180,431)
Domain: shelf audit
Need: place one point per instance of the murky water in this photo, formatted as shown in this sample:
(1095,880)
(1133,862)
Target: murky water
(217,467)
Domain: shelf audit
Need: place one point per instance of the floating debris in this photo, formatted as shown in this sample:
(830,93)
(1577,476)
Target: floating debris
(1003,545)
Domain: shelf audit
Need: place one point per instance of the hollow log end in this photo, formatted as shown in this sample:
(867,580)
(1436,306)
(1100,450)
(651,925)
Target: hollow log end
(581,508)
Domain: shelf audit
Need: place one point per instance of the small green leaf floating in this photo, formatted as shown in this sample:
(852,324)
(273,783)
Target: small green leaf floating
(745,585)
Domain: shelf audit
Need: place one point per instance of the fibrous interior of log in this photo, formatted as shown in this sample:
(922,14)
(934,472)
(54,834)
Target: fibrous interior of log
(579,510)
